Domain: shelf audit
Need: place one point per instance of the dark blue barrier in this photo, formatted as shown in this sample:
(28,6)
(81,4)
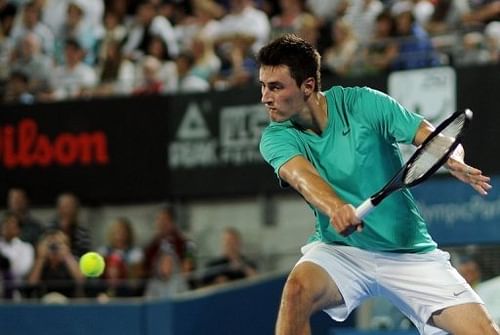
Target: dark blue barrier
(247,309)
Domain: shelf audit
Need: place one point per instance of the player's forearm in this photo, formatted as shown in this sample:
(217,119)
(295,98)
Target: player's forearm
(316,192)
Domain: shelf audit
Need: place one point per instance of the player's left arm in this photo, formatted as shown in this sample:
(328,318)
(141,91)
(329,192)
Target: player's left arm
(455,164)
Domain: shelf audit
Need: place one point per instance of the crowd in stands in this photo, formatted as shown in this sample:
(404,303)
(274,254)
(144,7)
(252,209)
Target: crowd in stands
(65,49)
(39,260)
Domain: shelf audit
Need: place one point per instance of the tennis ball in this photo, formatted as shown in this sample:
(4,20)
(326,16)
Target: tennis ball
(92,264)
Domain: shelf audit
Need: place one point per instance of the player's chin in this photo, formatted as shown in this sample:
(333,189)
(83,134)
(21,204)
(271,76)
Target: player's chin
(275,117)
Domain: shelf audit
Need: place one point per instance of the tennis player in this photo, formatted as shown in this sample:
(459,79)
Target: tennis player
(336,148)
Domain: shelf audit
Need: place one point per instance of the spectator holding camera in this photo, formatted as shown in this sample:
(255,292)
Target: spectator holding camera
(56,268)
(67,220)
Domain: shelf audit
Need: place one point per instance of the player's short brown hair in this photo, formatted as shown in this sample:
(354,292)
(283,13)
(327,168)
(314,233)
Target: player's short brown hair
(301,58)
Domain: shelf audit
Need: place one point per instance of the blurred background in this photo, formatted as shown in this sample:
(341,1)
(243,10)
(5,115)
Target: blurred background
(131,128)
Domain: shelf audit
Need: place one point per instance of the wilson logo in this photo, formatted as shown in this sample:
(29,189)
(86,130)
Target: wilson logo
(23,146)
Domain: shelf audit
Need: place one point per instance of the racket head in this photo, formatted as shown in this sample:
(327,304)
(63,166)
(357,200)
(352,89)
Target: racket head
(436,149)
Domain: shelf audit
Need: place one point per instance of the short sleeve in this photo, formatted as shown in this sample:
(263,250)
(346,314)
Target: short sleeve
(278,146)
(387,116)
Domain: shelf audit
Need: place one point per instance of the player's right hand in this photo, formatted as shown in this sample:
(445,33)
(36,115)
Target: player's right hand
(345,221)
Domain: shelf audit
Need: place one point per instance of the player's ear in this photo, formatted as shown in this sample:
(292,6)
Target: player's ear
(308,86)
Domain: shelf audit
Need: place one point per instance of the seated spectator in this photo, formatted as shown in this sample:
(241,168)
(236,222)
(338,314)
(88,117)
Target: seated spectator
(206,63)
(121,249)
(415,49)
(67,221)
(470,269)
(150,81)
(73,79)
(289,19)
(148,23)
(480,12)
(28,57)
(20,254)
(382,50)
(492,33)
(17,89)
(232,264)
(168,71)
(188,81)
(202,23)
(18,204)
(7,16)
(116,73)
(31,23)
(55,269)
(472,50)
(76,28)
(167,278)
(243,23)
(339,57)
(168,233)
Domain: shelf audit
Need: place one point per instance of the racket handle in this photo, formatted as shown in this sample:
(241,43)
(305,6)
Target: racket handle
(365,208)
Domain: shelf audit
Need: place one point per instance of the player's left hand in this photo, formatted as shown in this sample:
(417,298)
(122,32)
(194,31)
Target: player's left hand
(469,175)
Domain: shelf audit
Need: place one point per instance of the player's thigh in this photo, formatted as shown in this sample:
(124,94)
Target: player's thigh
(470,319)
(311,282)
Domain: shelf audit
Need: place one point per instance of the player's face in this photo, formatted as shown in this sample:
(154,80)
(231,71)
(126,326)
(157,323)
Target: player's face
(280,93)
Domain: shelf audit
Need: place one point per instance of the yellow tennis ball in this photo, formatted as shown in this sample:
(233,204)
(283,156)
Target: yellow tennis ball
(92,264)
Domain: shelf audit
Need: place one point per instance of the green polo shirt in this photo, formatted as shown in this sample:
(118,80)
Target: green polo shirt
(357,154)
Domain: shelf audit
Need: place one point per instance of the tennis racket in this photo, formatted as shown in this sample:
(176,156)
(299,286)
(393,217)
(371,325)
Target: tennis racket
(427,159)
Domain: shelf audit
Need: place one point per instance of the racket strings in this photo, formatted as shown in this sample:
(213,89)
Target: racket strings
(435,149)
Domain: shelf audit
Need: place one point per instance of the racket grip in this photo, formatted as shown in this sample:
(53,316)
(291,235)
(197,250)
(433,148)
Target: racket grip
(365,208)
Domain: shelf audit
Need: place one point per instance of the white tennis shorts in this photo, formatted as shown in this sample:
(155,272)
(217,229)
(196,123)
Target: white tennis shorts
(417,284)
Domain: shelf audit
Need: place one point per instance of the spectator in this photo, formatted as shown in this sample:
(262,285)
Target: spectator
(74,79)
(150,83)
(31,22)
(20,254)
(232,264)
(123,264)
(188,81)
(18,204)
(167,278)
(243,24)
(29,58)
(415,49)
(76,28)
(470,269)
(168,70)
(478,13)
(7,15)
(339,57)
(472,50)
(115,32)
(382,50)
(168,233)
(55,269)
(203,23)
(290,19)
(67,220)
(206,63)
(147,24)
(116,73)
(121,246)
(492,33)
(361,15)
(17,89)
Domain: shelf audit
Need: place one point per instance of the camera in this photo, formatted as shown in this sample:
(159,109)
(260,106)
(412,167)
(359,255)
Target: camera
(54,247)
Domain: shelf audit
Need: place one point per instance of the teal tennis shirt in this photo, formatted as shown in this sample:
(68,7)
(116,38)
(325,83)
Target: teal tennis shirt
(357,154)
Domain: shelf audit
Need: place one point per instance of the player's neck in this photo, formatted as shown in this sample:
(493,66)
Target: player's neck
(314,116)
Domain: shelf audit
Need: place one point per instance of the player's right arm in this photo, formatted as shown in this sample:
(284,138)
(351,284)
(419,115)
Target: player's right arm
(299,173)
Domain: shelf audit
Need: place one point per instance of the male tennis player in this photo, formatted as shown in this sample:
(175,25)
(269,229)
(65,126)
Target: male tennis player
(336,148)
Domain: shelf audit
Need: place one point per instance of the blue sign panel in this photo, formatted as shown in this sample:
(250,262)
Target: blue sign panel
(456,214)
